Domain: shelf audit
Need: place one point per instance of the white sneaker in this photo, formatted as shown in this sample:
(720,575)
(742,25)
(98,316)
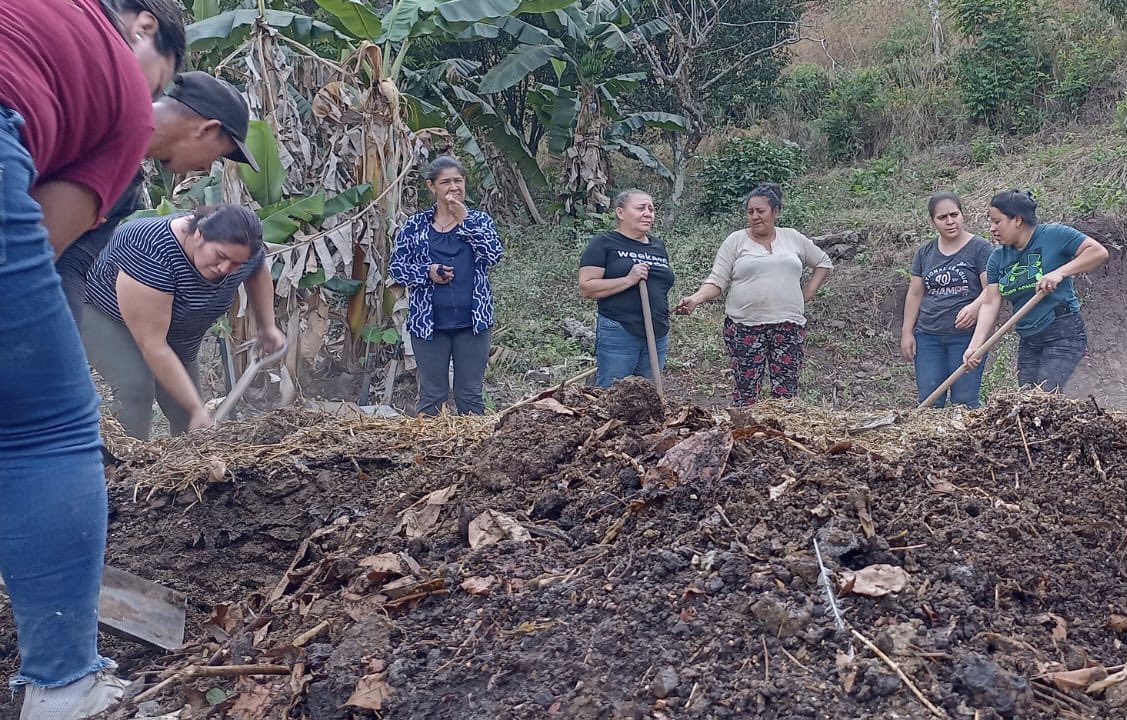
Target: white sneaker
(79,700)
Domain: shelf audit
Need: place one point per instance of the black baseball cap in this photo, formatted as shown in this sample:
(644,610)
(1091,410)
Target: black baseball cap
(216,99)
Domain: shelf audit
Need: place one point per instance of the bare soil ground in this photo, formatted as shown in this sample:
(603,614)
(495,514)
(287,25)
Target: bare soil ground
(594,557)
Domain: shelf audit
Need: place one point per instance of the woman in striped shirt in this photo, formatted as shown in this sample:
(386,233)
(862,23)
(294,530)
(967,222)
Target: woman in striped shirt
(152,295)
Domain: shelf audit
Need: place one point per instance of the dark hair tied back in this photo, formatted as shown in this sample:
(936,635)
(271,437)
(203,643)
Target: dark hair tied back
(1016,204)
(233,224)
(440,163)
(942,196)
(773,192)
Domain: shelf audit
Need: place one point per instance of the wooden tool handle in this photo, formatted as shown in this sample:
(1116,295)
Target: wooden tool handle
(985,348)
(651,341)
(244,382)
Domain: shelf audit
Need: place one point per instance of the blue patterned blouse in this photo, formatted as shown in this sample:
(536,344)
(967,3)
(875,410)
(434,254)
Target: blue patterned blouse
(410,266)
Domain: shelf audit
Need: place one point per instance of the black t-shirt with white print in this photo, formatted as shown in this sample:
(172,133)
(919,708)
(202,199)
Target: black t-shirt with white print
(616,254)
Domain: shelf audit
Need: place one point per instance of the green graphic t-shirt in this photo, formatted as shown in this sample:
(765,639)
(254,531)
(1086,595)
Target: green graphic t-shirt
(1017,272)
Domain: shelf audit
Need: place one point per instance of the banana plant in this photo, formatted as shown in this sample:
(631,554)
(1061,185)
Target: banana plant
(580,107)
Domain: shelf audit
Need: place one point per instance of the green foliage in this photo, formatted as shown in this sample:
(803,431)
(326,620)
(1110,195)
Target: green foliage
(1116,8)
(1121,114)
(984,147)
(1085,58)
(907,39)
(1099,197)
(853,114)
(805,89)
(876,176)
(744,163)
(265,186)
(1002,72)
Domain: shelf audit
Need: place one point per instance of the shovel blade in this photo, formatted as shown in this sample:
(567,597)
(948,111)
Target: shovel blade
(139,609)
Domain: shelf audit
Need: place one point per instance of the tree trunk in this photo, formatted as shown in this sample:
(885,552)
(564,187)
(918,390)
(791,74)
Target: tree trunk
(680,168)
(585,173)
(936,29)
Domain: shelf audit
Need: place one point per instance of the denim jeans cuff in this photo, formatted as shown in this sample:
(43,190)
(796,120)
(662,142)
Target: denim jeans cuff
(102,663)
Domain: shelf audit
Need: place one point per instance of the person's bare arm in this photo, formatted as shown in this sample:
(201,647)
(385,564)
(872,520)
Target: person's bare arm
(912,303)
(817,279)
(989,307)
(260,292)
(69,209)
(593,286)
(1089,256)
(706,292)
(147,313)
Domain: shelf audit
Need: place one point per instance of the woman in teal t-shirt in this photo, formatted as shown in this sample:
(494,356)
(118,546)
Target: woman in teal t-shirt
(1034,258)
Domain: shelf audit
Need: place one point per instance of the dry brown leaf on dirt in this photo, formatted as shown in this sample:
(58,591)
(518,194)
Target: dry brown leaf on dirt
(371,692)
(383,566)
(224,620)
(1075,679)
(255,701)
(874,580)
(1101,685)
(1118,623)
(492,527)
(1059,624)
(777,491)
(419,519)
(216,469)
(478,585)
(860,499)
(701,457)
(553,405)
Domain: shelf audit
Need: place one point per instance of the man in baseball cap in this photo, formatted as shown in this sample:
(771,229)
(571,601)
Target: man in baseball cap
(201,119)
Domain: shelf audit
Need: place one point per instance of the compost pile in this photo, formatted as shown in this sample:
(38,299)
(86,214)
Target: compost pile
(587,556)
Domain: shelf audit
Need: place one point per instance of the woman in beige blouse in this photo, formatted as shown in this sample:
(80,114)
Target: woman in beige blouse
(761,269)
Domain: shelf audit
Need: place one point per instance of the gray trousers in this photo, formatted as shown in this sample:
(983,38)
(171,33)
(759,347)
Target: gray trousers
(113,353)
(470,354)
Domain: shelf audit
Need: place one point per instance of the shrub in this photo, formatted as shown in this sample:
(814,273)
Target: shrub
(744,163)
(1086,55)
(853,115)
(1002,73)
(984,147)
(804,90)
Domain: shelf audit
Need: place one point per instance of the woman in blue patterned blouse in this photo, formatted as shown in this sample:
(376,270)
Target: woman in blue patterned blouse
(443,256)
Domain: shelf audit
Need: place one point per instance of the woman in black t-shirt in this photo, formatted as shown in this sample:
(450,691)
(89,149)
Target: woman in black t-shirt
(609,271)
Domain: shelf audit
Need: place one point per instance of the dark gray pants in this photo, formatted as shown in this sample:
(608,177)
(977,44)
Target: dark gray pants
(72,267)
(1049,358)
(470,353)
(112,352)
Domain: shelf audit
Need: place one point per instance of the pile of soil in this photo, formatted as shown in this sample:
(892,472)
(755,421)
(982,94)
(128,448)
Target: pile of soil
(593,557)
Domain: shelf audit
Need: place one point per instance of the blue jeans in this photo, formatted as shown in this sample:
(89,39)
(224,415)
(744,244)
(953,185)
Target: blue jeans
(52,487)
(1048,358)
(619,353)
(937,356)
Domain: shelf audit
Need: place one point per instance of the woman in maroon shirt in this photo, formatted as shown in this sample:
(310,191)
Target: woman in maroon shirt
(75,120)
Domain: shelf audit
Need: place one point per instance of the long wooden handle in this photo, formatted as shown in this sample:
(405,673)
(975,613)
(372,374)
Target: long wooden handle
(651,342)
(985,348)
(244,382)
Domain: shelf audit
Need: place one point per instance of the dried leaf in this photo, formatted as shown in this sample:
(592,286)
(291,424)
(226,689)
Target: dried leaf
(553,405)
(383,566)
(477,585)
(371,692)
(216,469)
(1076,679)
(492,527)
(875,580)
(314,327)
(419,519)
(254,702)
(1101,685)
(777,491)
(701,457)
(1060,625)
(1118,623)
(860,498)
(224,620)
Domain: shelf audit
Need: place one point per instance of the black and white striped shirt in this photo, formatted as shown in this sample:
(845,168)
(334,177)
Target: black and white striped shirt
(147,251)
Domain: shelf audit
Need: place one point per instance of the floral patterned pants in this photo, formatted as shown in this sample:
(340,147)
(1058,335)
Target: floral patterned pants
(775,350)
